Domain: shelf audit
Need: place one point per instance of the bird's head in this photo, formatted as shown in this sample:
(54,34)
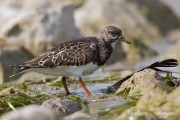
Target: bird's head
(112,34)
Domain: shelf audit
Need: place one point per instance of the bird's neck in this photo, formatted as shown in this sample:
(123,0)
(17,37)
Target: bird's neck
(107,41)
(113,44)
(105,50)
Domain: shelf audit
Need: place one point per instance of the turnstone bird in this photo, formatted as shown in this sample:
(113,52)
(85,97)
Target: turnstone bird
(76,58)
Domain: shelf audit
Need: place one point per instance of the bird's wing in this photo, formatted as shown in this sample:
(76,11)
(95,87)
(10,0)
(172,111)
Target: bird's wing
(66,54)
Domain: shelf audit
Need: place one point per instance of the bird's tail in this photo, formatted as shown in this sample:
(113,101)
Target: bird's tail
(21,69)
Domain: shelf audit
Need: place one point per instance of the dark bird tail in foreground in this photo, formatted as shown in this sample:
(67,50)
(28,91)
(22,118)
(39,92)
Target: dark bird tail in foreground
(164,63)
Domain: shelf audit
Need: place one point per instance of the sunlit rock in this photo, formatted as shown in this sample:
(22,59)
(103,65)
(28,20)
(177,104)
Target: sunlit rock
(140,83)
(162,102)
(32,112)
(78,116)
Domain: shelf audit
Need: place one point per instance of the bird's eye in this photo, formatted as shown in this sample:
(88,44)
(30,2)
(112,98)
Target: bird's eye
(113,34)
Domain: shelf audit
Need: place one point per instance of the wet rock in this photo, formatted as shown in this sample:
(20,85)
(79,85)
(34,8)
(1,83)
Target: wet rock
(78,116)
(173,52)
(135,114)
(52,23)
(32,112)
(62,107)
(140,83)
(127,16)
(162,102)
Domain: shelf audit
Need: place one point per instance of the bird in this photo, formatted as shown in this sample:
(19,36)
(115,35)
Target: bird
(77,57)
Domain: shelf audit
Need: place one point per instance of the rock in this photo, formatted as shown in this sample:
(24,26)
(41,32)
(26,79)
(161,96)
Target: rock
(32,112)
(140,83)
(135,114)
(173,52)
(159,13)
(78,3)
(11,56)
(78,116)
(1,75)
(62,107)
(161,102)
(52,23)
(174,35)
(127,16)
(174,5)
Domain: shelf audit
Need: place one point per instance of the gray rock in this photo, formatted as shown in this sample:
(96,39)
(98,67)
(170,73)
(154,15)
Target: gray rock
(174,5)
(62,107)
(140,83)
(162,102)
(121,13)
(136,114)
(35,25)
(78,116)
(32,112)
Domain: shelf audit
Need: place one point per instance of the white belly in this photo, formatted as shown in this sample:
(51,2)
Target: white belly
(77,71)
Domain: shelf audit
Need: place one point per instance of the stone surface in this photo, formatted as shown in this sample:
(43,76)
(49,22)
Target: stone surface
(140,83)
(62,107)
(1,75)
(174,5)
(32,112)
(125,15)
(52,23)
(78,116)
(135,114)
(159,14)
(161,102)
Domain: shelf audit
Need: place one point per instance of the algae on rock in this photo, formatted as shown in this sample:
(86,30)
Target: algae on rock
(161,102)
(140,83)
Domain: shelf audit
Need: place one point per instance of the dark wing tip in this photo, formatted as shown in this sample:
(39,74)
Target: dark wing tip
(18,65)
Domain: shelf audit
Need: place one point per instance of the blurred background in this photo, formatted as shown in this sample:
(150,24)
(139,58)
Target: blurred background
(29,27)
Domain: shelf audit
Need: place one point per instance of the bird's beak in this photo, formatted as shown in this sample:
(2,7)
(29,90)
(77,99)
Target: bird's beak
(123,39)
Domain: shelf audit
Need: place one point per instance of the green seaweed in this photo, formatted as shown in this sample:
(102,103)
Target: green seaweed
(124,92)
(112,113)
(171,80)
(7,90)
(15,100)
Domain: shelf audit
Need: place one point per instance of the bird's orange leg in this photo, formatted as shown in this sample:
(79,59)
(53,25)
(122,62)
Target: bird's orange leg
(65,85)
(84,87)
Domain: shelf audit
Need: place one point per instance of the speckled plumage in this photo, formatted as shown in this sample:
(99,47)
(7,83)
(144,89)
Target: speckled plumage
(73,53)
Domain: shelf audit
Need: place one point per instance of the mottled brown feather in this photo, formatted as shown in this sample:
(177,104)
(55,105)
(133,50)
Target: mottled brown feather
(77,52)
